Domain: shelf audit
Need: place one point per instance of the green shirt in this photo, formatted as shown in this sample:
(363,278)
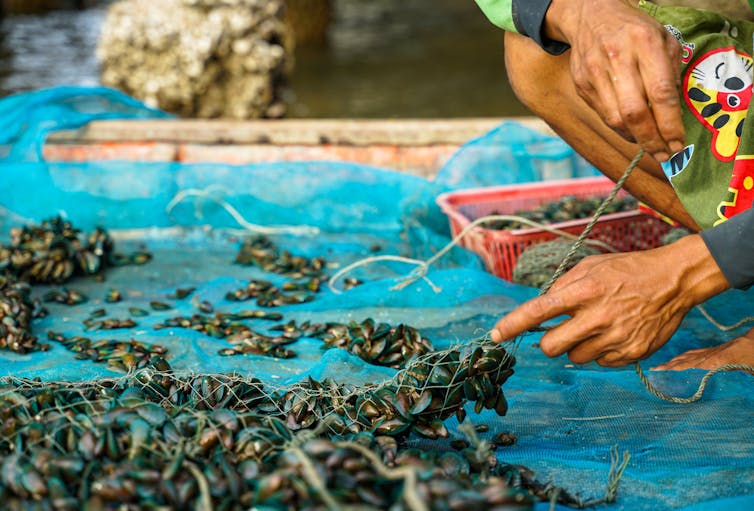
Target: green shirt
(525,17)
(500,13)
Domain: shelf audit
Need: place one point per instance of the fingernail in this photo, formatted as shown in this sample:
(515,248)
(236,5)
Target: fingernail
(661,156)
(676,146)
(496,337)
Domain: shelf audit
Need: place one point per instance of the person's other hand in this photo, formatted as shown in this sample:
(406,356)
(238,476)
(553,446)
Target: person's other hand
(626,66)
(737,351)
(623,307)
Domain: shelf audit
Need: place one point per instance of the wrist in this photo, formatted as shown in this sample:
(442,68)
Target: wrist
(698,275)
(564,19)
(558,19)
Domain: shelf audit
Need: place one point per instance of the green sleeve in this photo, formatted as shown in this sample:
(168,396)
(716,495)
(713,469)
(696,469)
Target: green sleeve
(500,12)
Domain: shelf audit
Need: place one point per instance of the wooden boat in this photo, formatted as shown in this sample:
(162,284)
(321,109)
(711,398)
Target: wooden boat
(419,147)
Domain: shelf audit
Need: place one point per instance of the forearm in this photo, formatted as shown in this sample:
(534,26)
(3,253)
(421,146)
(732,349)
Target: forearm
(693,271)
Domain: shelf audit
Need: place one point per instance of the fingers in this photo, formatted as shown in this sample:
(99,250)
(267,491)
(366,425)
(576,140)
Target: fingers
(634,94)
(586,351)
(576,338)
(675,364)
(637,116)
(648,98)
(668,113)
(680,363)
(594,83)
(690,359)
(563,298)
(662,81)
(618,358)
(586,340)
(530,314)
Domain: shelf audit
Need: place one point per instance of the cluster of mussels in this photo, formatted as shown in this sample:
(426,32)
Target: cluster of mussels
(269,295)
(376,343)
(262,252)
(567,208)
(65,296)
(54,251)
(250,342)
(118,354)
(221,325)
(424,394)
(306,275)
(159,440)
(16,312)
(243,339)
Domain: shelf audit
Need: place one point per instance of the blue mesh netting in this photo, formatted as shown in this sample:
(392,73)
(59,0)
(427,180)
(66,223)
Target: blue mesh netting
(692,457)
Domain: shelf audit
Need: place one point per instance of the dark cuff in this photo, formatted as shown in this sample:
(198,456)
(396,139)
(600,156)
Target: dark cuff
(529,18)
(732,246)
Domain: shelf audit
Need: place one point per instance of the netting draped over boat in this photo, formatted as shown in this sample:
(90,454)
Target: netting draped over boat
(191,217)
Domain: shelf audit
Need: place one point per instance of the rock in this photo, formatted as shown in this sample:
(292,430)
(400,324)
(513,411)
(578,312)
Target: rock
(199,58)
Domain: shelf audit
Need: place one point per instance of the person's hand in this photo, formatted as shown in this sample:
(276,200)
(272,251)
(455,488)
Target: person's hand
(623,307)
(737,351)
(626,66)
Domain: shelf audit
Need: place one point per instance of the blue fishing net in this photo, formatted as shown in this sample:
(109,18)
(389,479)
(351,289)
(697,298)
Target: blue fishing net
(566,418)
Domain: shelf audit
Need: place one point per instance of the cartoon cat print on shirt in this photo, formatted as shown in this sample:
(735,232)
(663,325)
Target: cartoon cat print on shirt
(718,91)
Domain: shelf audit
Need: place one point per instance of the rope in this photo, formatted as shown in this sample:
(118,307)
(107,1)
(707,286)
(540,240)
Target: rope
(720,326)
(406,473)
(617,468)
(315,481)
(702,385)
(205,498)
(298,230)
(423,265)
(374,259)
(588,229)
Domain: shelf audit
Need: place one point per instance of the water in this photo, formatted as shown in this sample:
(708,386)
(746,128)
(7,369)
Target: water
(398,58)
(387,58)
(39,51)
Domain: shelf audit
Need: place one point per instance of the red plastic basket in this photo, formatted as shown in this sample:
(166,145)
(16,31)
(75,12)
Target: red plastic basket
(500,249)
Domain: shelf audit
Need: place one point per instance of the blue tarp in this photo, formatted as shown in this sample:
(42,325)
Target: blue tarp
(693,457)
